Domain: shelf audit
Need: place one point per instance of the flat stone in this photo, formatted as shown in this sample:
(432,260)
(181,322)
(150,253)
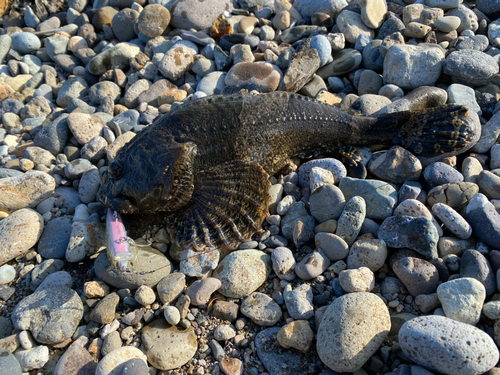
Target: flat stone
(470,67)
(167,347)
(26,190)
(76,360)
(200,291)
(150,261)
(352,26)
(51,314)
(242,272)
(19,232)
(380,197)
(409,66)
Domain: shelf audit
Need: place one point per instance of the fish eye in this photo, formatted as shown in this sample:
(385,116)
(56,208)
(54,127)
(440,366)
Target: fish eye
(115,169)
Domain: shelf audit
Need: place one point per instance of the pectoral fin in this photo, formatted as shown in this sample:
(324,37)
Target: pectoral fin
(228,205)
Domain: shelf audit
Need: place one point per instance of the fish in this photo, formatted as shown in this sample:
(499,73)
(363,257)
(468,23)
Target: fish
(205,165)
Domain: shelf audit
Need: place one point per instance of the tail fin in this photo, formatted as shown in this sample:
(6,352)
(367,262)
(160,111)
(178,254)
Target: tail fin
(447,129)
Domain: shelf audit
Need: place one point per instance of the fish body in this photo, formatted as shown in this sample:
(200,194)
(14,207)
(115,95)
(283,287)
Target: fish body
(206,163)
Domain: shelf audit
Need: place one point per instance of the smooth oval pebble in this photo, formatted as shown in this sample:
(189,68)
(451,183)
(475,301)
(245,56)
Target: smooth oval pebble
(352,329)
(448,346)
(7,274)
(452,220)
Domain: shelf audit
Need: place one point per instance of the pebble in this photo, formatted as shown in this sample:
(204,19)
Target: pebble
(145,295)
(86,239)
(19,232)
(312,265)
(117,360)
(418,234)
(104,311)
(418,275)
(370,253)
(34,358)
(199,263)
(25,42)
(51,314)
(299,302)
(352,329)
(452,220)
(283,263)
(231,366)
(351,220)
(262,75)
(166,347)
(200,291)
(396,165)
(171,286)
(380,197)
(172,315)
(332,245)
(484,220)
(475,265)
(357,280)
(462,299)
(242,272)
(26,190)
(297,334)
(470,67)
(148,260)
(409,66)
(465,349)
(326,202)
(7,274)
(261,309)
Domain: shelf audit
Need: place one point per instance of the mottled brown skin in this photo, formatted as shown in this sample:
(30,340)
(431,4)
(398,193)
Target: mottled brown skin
(205,164)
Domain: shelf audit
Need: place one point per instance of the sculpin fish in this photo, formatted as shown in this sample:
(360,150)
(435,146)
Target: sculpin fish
(205,164)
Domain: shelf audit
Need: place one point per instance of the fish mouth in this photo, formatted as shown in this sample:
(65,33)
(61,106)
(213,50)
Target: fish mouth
(122,205)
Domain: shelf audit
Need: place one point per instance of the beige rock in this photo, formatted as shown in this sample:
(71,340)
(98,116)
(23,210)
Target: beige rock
(373,12)
(351,25)
(27,190)
(93,289)
(357,280)
(352,329)
(112,363)
(18,233)
(297,334)
(242,272)
(117,144)
(84,126)
(167,347)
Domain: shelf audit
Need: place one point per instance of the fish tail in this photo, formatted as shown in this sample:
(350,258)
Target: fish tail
(445,130)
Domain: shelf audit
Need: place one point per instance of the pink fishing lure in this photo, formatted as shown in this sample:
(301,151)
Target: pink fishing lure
(119,251)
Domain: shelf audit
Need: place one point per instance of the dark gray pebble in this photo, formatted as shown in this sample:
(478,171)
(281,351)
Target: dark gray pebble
(438,173)
(134,366)
(475,265)
(419,234)
(55,238)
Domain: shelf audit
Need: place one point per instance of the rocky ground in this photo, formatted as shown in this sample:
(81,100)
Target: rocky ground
(391,273)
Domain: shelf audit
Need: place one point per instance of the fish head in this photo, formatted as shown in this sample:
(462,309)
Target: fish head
(148,175)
